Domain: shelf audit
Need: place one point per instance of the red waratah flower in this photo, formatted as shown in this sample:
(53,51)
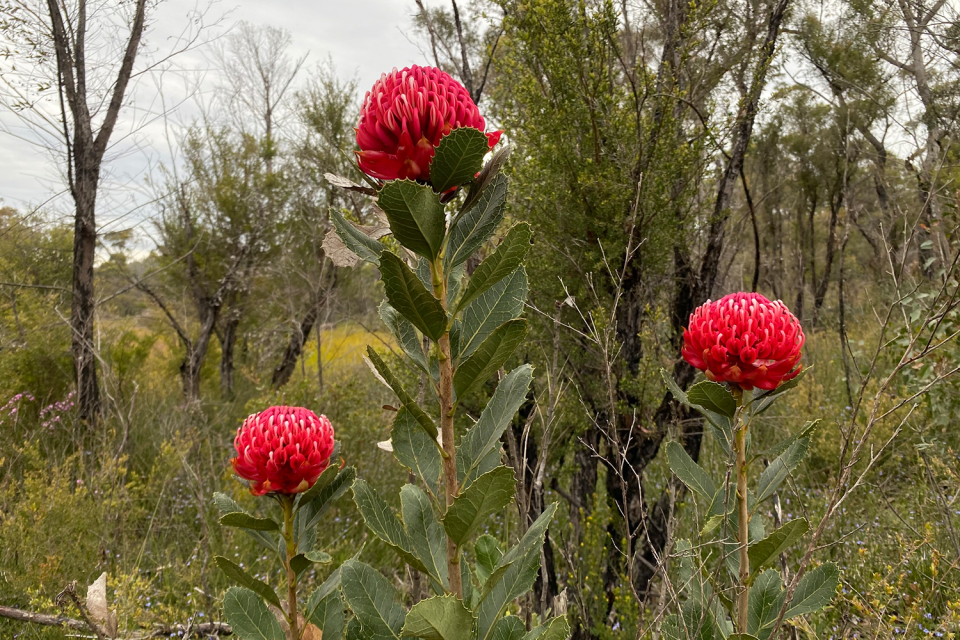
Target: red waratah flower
(744,339)
(405,115)
(283,450)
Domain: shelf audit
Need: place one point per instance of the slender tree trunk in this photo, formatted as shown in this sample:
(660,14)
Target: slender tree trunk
(228,341)
(298,338)
(82,307)
(85,149)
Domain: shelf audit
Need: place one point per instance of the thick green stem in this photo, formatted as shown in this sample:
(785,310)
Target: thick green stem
(446,429)
(743,536)
(293,631)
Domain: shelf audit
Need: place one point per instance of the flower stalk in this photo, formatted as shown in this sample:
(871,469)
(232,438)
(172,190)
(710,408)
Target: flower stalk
(293,632)
(447,436)
(743,512)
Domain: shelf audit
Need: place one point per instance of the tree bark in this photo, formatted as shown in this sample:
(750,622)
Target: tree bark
(288,363)
(228,341)
(85,150)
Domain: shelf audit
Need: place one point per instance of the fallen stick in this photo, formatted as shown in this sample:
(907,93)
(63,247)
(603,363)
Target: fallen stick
(201,629)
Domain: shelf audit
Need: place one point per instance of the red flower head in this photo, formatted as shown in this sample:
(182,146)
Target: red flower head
(403,118)
(744,339)
(283,450)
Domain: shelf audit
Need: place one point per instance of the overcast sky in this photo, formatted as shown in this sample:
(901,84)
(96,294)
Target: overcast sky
(362,37)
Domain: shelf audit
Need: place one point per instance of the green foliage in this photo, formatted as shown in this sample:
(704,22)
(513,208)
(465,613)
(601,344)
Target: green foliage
(249,616)
(458,336)
(458,158)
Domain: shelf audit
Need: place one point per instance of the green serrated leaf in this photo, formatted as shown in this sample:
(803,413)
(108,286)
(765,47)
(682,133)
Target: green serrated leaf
(303,561)
(555,628)
(689,472)
(458,158)
(410,298)
(517,579)
(384,523)
(699,622)
(769,549)
(372,599)
(476,224)
(714,397)
(489,356)
(405,398)
(439,618)
(427,537)
(479,449)
(416,217)
(236,573)
(246,521)
(508,628)
(807,431)
(488,494)
(764,603)
(406,334)
(500,303)
(721,425)
(309,515)
(356,240)
(488,554)
(329,586)
(414,449)
(499,264)
(326,613)
(780,468)
(815,590)
(531,541)
(765,400)
(249,617)
(329,475)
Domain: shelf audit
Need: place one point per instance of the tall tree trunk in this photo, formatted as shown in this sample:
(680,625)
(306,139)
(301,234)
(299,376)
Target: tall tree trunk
(85,149)
(298,338)
(82,308)
(228,342)
(691,292)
